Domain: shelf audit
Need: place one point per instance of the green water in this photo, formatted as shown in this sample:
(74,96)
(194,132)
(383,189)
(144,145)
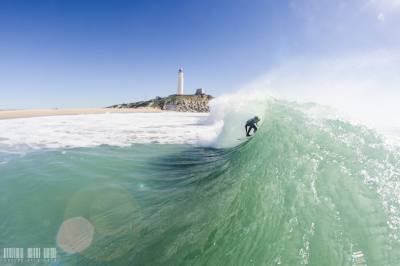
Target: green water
(300,192)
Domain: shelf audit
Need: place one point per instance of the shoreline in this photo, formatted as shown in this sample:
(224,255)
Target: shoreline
(29,113)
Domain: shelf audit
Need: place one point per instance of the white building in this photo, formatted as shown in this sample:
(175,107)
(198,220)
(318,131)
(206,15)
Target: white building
(180,82)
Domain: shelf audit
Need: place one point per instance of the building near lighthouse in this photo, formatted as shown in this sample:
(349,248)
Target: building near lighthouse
(180,82)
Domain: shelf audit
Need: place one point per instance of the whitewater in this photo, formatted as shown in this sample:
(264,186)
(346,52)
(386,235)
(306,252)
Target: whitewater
(310,188)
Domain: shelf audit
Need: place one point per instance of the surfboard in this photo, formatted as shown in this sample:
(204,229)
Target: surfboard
(246,138)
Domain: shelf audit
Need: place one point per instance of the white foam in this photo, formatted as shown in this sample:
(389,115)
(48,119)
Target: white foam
(120,129)
(230,112)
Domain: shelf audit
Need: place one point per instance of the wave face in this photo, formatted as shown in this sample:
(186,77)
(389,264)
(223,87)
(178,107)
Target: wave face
(303,190)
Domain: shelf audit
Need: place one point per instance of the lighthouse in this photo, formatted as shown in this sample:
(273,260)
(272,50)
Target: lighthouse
(180,82)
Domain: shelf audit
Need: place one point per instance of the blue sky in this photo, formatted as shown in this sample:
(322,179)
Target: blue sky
(87,53)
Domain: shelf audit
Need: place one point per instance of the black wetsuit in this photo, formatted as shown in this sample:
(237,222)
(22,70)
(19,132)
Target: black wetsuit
(251,124)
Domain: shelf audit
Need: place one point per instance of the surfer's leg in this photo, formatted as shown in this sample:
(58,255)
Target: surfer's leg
(247,128)
(254,129)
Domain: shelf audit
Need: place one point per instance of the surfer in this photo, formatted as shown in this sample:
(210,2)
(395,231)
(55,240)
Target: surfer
(251,124)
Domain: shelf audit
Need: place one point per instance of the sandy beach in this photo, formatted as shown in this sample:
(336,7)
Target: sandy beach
(26,113)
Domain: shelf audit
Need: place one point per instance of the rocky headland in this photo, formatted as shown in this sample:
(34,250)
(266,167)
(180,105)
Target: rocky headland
(199,102)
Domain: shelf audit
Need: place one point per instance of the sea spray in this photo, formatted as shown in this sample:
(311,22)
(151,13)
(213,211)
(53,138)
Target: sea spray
(230,112)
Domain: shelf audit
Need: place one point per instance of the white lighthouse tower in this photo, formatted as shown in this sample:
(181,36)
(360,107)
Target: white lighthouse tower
(180,82)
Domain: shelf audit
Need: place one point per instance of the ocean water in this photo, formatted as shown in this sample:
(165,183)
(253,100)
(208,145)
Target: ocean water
(187,189)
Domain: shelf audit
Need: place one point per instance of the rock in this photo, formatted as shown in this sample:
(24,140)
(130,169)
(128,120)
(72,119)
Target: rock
(180,103)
